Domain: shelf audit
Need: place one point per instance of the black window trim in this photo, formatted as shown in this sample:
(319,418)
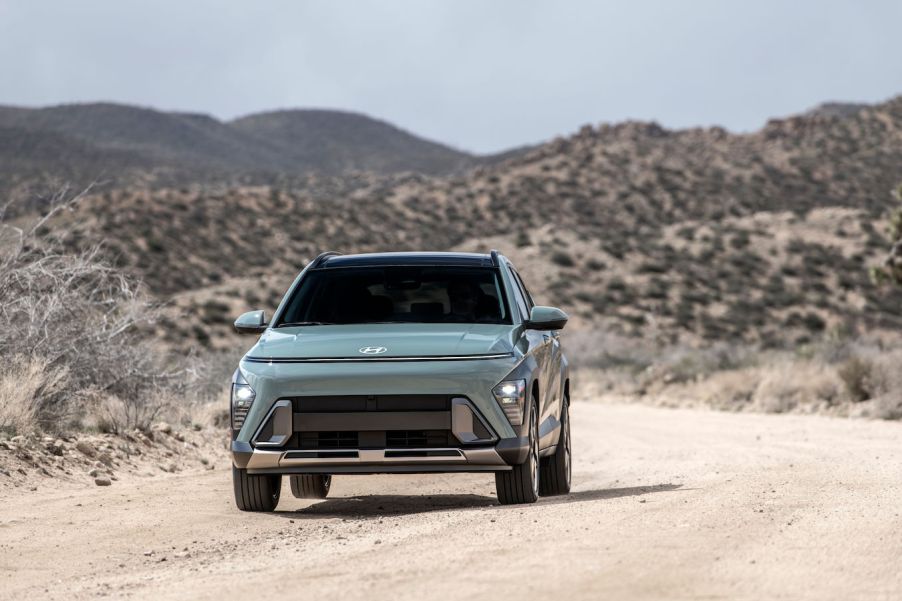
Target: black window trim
(505,319)
(530,303)
(518,293)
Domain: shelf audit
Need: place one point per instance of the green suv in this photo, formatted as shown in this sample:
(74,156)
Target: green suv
(402,363)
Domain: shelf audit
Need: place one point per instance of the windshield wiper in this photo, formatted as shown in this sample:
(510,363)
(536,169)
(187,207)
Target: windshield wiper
(290,324)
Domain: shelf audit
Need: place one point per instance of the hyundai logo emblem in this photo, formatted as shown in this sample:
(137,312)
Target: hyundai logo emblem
(372,350)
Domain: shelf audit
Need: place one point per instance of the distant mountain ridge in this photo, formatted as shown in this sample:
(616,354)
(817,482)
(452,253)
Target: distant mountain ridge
(79,143)
(836,109)
(343,141)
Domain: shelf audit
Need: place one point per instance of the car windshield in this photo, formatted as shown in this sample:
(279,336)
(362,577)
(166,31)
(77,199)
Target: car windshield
(430,294)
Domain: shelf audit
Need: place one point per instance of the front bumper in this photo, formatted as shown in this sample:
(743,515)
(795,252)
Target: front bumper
(313,436)
(471,379)
(368,461)
(371,417)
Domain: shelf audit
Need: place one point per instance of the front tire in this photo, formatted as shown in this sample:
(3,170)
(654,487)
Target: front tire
(310,486)
(521,484)
(256,492)
(556,469)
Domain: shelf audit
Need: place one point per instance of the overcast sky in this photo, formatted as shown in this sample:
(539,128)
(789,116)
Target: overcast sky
(481,75)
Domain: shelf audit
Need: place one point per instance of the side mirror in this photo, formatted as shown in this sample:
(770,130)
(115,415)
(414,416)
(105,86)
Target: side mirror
(546,318)
(252,322)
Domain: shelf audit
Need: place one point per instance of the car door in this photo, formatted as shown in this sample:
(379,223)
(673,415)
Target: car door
(548,356)
(537,343)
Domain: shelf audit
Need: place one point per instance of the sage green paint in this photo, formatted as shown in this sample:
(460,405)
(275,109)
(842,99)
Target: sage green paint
(547,318)
(533,355)
(473,379)
(251,322)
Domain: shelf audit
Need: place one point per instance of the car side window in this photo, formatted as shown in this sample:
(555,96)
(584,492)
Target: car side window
(529,302)
(519,297)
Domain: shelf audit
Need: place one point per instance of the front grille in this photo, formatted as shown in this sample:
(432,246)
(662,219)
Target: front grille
(393,439)
(328,440)
(424,453)
(321,455)
(414,439)
(330,422)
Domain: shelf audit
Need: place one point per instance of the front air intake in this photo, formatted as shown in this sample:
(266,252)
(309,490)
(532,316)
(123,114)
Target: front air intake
(277,428)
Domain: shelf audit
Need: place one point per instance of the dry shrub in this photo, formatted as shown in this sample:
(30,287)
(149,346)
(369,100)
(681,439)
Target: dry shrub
(886,372)
(770,387)
(24,382)
(833,376)
(603,349)
(729,390)
(677,364)
(891,270)
(213,412)
(885,384)
(203,389)
(192,393)
(74,325)
(784,387)
(589,383)
(115,414)
(855,374)
(614,362)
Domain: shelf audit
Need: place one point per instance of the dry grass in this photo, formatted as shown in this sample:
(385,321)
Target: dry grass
(24,383)
(803,385)
(891,270)
(837,377)
(76,343)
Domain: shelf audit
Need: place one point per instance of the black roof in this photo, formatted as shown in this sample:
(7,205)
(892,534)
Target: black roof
(405,258)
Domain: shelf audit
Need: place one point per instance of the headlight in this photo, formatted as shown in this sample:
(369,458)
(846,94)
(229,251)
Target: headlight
(511,395)
(242,398)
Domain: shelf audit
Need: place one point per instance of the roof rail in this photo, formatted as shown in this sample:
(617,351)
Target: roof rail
(322,257)
(495,261)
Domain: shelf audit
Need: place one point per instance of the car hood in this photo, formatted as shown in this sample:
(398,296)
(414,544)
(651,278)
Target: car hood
(363,341)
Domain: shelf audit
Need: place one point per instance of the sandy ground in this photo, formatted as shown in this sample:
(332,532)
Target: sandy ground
(667,504)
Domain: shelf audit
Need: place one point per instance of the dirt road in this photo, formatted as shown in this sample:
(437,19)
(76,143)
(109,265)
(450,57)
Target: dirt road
(668,504)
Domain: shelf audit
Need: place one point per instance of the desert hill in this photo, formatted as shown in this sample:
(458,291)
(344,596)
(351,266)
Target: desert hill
(337,142)
(693,234)
(127,145)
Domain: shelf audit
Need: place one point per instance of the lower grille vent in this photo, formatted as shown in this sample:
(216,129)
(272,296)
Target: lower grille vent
(329,440)
(413,439)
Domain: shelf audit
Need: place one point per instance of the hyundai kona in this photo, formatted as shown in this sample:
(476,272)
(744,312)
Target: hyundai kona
(402,363)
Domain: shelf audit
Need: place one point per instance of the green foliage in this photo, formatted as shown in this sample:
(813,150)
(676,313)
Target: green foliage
(595,265)
(896,223)
(562,258)
(890,272)
(523,239)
